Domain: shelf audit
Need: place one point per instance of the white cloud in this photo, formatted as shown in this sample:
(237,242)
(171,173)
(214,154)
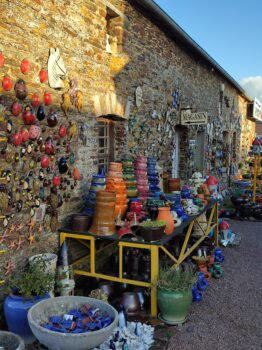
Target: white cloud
(253,86)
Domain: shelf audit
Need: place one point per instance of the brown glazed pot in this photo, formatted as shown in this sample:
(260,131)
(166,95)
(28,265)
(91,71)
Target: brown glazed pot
(173,185)
(80,222)
(104,220)
(131,303)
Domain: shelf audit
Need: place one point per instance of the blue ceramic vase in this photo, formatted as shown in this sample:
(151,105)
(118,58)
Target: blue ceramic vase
(15,310)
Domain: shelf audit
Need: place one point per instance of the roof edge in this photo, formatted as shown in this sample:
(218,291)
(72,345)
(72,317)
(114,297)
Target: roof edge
(159,14)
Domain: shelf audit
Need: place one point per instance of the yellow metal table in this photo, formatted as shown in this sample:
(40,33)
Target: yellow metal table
(154,247)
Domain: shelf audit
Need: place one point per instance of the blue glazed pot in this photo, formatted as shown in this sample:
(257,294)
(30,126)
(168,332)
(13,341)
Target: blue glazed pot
(15,310)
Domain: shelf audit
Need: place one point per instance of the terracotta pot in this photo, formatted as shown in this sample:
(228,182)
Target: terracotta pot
(104,219)
(211,260)
(165,215)
(173,185)
(141,159)
(113,173)
(119,187)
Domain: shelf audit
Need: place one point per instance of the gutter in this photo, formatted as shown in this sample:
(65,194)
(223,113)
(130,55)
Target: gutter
(172,29)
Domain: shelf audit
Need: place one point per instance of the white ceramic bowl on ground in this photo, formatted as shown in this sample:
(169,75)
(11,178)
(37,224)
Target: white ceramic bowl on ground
(41,312)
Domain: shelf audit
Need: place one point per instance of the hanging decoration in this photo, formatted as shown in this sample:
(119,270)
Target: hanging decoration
(56,69)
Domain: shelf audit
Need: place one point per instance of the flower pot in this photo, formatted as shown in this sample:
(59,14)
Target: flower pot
(173,305)
(104,219)
(15,310)
(165,215)
(11,341)
(152,233)
(80,222)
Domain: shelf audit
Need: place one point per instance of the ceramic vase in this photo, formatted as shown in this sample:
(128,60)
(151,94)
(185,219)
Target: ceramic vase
(165,215)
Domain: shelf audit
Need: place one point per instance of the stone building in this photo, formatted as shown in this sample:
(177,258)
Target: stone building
(137,72)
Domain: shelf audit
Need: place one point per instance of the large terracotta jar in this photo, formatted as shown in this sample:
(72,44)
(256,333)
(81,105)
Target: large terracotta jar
(104,219)
(165,215)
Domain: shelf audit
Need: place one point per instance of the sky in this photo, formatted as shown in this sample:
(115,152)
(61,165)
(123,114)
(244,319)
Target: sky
(230,31)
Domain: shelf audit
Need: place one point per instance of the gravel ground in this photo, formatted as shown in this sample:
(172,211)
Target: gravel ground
(230,315)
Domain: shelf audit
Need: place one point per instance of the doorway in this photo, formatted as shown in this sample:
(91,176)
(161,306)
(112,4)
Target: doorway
(200,151)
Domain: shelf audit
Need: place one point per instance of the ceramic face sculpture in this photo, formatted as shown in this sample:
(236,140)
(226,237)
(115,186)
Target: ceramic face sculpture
(20,89)
(34,132)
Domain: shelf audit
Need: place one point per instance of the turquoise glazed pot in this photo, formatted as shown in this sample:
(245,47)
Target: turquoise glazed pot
(15,310)
(173,305)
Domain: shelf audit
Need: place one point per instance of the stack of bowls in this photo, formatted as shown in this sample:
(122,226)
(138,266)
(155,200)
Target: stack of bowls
(129,178)
(98,183)
(115,183)
(153,178)
(141,177)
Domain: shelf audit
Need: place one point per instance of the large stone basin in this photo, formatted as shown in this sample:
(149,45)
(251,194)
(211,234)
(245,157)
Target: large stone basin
(41,312)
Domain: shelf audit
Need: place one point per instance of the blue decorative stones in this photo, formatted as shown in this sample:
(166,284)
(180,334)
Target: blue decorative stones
(85,319)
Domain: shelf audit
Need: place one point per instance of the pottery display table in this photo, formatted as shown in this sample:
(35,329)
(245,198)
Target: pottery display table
(154,247)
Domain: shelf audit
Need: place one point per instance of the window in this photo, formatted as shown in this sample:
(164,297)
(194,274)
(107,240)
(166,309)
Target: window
(114,31)
(105,144)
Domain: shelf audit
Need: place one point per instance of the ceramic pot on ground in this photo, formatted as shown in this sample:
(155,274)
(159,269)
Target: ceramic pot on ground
(131,303)
(165,215)
(104,220)
(11,341)
(16,309)
(173,305)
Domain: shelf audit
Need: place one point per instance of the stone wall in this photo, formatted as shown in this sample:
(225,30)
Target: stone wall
(143,56)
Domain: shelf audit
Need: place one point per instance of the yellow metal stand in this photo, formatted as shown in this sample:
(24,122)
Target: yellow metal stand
(153,247)
(256,172)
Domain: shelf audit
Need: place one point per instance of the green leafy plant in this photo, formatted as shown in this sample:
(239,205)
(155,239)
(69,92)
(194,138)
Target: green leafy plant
(176,279)
(150,223)
(34,281)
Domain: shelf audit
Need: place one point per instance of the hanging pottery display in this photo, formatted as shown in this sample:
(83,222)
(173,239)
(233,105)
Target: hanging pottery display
(17,139)
(47,98)
(76,174)
(45,161)
(52,119)
(21,91)
(25,135)
(40,114)
(34,132)
(56,69)
(16,109)
(7,83)
(35,100)
(56,180)
(28,116)
(2,59)
(62,131)
(62,165)
(49,146)
(25,66)
(43,75)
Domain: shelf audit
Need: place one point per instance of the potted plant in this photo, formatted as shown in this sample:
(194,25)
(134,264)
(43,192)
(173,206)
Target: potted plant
(26,289)
(152,230)
(174,294)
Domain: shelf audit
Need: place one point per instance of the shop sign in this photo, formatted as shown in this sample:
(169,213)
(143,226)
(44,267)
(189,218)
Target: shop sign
(188,118)
(257,110)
